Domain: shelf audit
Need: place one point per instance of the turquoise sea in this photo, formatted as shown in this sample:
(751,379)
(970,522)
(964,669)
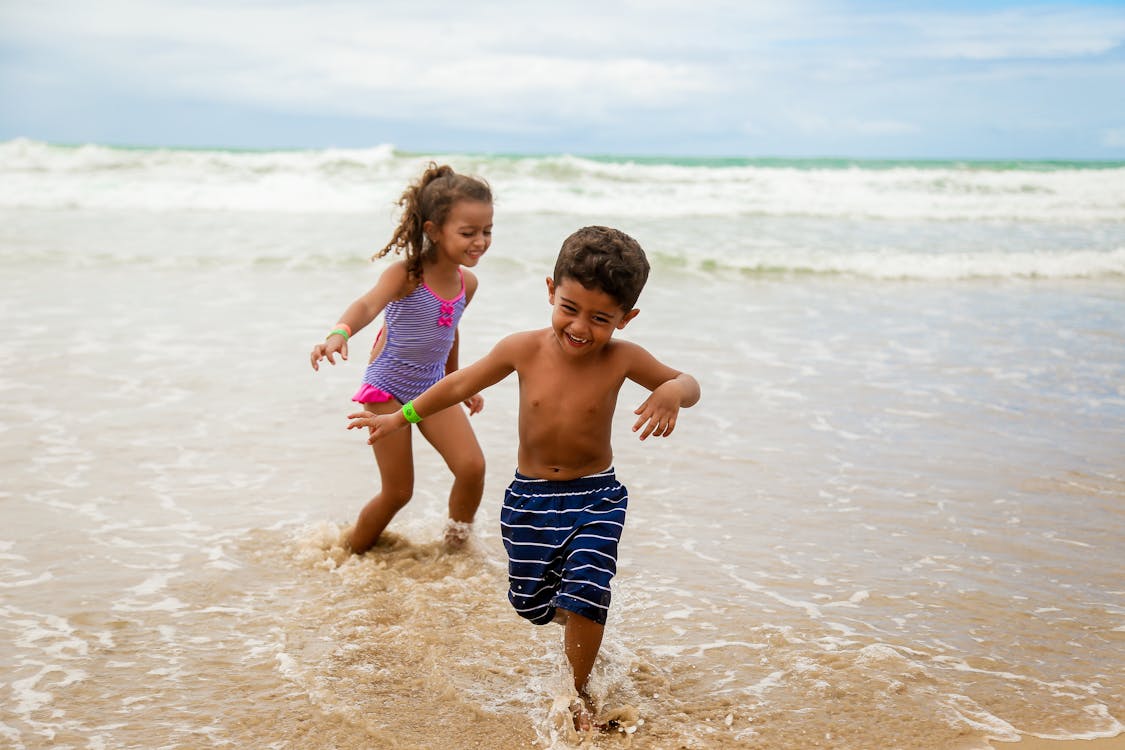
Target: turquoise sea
(895,519)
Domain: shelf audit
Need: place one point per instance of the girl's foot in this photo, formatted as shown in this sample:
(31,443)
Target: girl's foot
(457,534)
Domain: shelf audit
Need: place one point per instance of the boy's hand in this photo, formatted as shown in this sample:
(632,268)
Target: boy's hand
(380,425)
(659,410)
(332,345)
(474,403)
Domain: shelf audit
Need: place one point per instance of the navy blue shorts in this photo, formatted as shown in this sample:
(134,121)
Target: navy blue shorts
(561,539)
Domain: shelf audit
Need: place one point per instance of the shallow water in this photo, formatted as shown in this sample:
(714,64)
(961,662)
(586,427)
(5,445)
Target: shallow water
(894,520)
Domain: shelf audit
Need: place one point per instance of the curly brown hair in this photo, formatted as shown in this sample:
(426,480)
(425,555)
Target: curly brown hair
(607,259)
(430,199)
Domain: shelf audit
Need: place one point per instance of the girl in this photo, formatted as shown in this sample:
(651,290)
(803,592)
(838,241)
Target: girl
(446,224)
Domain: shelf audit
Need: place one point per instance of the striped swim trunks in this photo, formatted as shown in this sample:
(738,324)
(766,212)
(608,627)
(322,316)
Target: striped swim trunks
(561,539)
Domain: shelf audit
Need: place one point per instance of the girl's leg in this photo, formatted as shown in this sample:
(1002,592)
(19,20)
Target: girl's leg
(396,475)
(452,436)
(582,640)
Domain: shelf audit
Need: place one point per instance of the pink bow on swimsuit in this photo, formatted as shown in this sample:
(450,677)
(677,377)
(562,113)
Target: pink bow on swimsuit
(446,317)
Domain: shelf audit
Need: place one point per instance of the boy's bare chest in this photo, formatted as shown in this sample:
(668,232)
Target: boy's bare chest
(570,392)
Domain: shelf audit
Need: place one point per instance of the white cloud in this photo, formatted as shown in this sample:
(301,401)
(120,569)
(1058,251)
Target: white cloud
(1113,138)
(818,124)
(711,68)
(880,127)
(356,59)
(1012,33)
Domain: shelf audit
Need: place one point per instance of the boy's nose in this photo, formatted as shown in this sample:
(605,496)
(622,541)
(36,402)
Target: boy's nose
(578,330)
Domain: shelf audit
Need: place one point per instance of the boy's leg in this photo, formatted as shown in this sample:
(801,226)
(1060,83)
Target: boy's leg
(582,641)
(452,436)
(395,458)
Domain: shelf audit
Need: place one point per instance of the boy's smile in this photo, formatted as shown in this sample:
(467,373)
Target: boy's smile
(584,319)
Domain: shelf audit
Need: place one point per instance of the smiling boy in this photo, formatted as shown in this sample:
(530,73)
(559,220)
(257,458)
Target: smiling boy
(564,512)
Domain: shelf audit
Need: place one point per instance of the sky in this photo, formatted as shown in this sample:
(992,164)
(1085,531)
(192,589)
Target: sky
(792,78)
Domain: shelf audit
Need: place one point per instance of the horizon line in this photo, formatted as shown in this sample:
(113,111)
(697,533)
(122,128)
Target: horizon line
(594,156)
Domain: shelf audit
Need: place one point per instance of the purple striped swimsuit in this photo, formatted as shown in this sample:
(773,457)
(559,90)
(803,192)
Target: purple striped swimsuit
(419,328)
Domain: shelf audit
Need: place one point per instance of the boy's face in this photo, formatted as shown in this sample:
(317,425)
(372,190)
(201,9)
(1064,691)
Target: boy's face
(584,319)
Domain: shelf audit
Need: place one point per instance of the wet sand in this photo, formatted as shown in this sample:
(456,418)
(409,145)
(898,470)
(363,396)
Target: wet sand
(1035,743)
(889,525)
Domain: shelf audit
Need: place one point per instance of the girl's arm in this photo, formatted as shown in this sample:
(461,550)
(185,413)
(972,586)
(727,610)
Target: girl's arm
(377,347)
(471,284)
(671,391)
(390,285)
(475,402)
(451,360)
(470,289)
(457,386)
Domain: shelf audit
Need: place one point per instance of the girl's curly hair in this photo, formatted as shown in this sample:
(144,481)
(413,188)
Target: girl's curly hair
(430,199)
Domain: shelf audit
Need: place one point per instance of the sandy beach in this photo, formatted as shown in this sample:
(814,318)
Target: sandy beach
(893,521)
(1034,743)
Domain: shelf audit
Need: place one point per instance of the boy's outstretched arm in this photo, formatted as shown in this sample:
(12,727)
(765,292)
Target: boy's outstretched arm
(453,388)
(671,391)
(657,414)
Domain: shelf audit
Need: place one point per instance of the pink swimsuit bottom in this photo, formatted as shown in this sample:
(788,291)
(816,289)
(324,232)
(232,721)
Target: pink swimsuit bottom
(369,394)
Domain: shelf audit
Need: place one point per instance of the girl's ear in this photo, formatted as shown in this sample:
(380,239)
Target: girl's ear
(430,229)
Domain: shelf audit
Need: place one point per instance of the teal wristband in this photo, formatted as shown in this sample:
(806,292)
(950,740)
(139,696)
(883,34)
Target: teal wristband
(411,415)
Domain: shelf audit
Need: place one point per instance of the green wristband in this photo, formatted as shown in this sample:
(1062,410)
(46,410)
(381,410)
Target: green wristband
(340,331)
(408,411)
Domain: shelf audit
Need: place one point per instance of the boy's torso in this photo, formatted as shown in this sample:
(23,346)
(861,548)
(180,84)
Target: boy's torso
(566,408)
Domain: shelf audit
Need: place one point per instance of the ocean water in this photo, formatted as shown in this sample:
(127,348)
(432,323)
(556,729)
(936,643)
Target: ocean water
(896,519)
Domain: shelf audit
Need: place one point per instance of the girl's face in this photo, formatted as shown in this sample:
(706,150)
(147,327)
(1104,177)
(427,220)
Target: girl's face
(466,233)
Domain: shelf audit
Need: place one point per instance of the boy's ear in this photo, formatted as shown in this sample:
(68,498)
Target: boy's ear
(550,290)
(628,316)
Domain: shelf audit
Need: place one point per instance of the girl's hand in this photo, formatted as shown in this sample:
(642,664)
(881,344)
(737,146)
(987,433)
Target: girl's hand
(659,410)
(334,344)
(379,425)
(474,403)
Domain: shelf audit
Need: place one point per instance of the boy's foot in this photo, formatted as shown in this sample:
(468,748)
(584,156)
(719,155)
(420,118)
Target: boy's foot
(583,716)
(625,719)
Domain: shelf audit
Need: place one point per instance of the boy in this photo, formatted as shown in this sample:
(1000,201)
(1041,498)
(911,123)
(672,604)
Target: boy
(564,512)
